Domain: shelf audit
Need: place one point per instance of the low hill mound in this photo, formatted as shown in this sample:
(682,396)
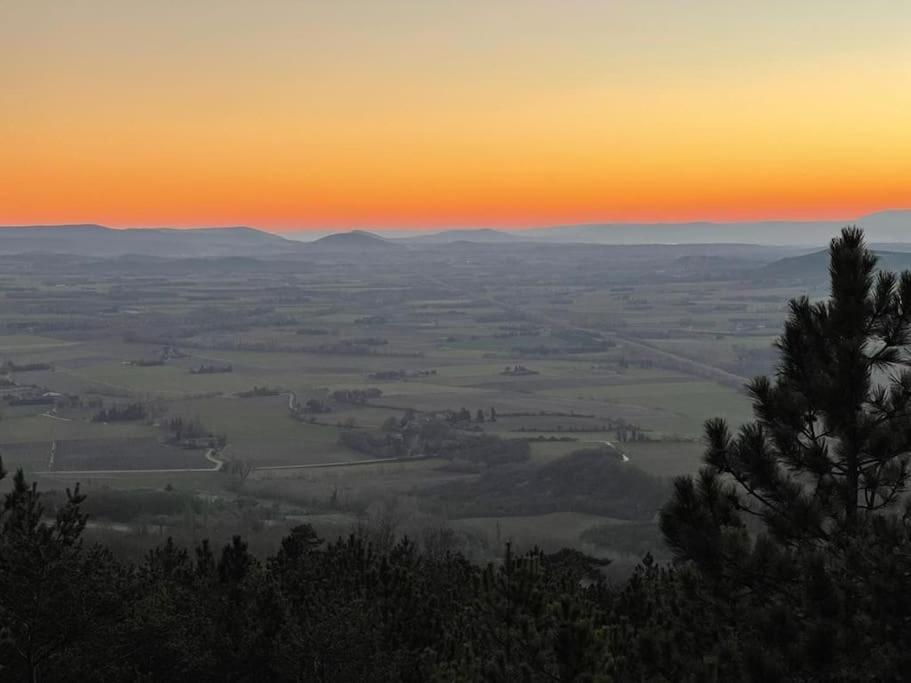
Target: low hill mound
(591,480)
(356,240)
(813,268)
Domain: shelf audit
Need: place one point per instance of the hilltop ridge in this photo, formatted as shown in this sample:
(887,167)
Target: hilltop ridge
(353,240)
(98,240)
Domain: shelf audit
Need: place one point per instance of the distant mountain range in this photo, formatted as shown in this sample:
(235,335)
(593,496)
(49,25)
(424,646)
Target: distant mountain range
(96,240)
(887,227)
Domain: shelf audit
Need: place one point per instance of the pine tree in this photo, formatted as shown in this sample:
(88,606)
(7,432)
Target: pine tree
(55,596)
(819,473)
(833,429)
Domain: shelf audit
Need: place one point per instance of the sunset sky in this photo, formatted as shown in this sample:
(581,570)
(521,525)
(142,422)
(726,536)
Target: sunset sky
(289,115)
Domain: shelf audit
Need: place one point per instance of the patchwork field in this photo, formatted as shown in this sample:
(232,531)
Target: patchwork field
(276,379)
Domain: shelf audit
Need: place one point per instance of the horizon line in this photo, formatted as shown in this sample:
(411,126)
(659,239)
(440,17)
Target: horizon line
(456,227)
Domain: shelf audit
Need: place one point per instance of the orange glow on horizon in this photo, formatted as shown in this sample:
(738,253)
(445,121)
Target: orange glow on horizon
(394,115)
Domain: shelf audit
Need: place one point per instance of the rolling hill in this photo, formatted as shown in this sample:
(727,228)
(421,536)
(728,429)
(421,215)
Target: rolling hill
(97,240)
(814,268)
(354,241)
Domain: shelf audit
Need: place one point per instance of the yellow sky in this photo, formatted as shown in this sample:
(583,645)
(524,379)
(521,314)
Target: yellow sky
(291,114)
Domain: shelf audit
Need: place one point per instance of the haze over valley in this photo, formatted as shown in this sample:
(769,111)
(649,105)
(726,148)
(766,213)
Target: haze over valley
(295,361)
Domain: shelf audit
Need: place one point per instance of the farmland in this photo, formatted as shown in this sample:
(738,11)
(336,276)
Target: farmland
(520,354)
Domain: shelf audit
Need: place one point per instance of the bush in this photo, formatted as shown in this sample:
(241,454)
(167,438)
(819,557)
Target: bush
(126,413)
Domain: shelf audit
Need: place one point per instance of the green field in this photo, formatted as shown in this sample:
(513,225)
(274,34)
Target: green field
(566,361)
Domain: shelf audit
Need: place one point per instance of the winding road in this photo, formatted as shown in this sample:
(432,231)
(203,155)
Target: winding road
(343,463)
(217,464)
(623,456)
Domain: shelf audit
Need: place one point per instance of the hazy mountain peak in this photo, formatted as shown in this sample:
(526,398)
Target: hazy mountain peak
(354,239)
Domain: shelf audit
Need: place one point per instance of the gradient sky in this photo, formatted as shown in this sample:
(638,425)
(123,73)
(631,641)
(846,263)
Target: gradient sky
(288,114)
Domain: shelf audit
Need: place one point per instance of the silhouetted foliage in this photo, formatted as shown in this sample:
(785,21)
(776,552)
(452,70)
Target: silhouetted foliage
(822,589)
